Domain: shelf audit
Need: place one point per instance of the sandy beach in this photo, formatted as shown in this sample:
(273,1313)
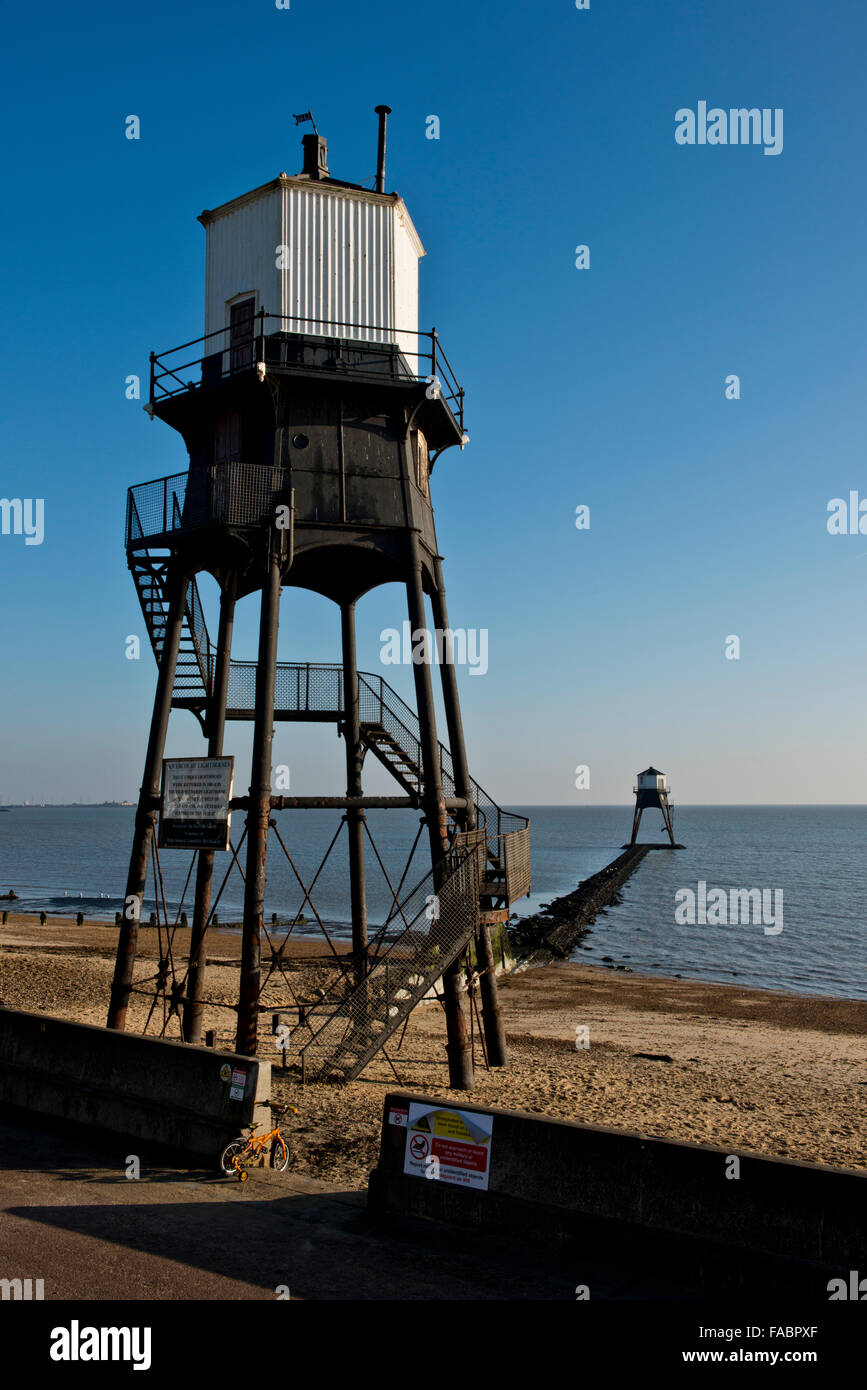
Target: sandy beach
(760,1071)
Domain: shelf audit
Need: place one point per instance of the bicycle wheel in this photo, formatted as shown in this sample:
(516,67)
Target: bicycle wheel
(280,1155)
(233,1150)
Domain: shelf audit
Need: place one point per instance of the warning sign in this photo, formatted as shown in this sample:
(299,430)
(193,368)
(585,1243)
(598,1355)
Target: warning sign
(398,1117)
(448,1145)
(194,808)
(419,1146)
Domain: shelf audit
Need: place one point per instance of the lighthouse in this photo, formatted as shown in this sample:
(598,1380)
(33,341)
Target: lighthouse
(314,411)
(650,790)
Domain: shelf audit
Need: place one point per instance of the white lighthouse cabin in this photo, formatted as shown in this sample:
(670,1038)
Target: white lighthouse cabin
(319,256)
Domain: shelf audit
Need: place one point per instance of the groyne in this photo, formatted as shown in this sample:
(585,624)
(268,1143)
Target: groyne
(553,933)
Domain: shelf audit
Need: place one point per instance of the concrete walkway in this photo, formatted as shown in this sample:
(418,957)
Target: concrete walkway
(69,1215)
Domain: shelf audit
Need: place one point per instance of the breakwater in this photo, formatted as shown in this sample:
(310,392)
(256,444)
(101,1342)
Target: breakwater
(553,933)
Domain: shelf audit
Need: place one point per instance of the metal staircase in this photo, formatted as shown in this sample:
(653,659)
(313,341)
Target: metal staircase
(400,764)
(350,1025)
(193,670)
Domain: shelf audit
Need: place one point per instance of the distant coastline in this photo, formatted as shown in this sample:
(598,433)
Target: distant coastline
(524,805)
(61,805)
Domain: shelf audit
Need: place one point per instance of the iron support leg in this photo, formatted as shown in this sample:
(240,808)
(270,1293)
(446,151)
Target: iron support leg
(354,815)
(259,810)
(458,1047)
(454,723)
(146,814)
(492,1017)
(192,1023)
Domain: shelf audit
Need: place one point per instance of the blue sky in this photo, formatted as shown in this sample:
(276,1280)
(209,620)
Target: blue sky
(604,387)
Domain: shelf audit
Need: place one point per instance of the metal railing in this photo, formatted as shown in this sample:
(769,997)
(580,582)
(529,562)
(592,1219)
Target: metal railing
(318,688)
(194,617)
(154,508)
(388,708)
(308,344)
(228,494)
(300,688)
(516,861)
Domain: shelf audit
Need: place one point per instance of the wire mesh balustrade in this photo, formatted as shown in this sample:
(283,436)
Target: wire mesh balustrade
(229,494)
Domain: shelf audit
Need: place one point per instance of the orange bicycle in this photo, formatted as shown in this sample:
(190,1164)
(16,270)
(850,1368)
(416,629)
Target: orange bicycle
(245,1150)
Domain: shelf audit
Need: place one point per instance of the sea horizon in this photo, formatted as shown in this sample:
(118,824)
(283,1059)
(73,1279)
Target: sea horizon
(820,948)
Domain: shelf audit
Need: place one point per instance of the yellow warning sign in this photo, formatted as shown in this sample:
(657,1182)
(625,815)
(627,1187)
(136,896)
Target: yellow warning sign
(452,1124)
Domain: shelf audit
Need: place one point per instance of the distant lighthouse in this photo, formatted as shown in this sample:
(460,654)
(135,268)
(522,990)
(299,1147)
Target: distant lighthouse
(650,790)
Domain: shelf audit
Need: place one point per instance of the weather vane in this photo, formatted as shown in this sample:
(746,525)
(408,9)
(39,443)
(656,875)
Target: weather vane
(306,116)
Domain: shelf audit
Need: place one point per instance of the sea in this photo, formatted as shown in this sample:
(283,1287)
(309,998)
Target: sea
(808,860)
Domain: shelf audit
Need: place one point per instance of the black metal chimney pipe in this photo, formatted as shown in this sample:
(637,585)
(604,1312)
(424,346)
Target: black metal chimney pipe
(383,113)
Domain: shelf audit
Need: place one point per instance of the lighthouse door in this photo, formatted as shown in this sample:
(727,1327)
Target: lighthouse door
(241,333)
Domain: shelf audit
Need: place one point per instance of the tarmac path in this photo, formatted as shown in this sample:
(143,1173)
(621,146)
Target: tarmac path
(69,1215)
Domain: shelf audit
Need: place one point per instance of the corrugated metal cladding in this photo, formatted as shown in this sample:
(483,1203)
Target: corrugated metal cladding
(341,261)
(241,259)
(349,260)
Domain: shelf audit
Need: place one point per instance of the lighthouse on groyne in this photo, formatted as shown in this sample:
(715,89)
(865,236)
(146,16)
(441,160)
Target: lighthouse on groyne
(650,790)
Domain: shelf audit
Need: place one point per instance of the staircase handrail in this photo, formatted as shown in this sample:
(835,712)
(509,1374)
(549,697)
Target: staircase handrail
(194,617)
